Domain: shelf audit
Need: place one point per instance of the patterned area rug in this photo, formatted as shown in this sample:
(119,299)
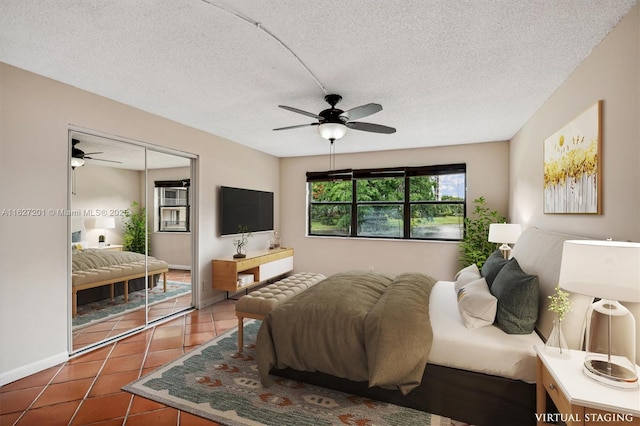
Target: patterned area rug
(91,313)
(216,382)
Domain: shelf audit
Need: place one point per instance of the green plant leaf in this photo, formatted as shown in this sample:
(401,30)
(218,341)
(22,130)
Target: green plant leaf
(136,237)
(475,246)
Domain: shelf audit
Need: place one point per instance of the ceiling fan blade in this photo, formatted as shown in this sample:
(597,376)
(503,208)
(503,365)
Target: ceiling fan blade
(362,111)
(100,159)
(93,153)
(370,127)
(299,111)
(295,127)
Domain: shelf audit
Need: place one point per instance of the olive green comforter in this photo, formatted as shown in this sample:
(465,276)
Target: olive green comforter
(360,326)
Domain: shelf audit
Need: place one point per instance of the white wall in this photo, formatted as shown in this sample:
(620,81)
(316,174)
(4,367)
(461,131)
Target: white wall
(104,188)
(487,175)
(35,115)
(611,74)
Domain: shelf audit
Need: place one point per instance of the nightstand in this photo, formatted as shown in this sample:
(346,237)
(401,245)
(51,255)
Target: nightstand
(580,400)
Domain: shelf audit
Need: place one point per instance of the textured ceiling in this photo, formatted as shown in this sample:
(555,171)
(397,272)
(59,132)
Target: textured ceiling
(446,72)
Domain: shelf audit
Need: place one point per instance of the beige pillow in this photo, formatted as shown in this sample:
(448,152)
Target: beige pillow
(466,275)
(477,305)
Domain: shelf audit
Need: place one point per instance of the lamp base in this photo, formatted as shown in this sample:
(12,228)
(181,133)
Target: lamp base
(610,374)
(505,249)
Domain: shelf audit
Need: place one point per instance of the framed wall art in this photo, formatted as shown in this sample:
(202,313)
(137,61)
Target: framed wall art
(572,165)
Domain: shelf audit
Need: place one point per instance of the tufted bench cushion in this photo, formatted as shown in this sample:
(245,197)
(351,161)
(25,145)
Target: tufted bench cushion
(259,303)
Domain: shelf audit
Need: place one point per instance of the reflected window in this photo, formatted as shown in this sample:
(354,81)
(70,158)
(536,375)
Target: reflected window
(172,202)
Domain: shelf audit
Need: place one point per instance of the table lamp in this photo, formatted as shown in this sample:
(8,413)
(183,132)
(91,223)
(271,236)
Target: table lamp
(610,272)
(104,222)
(505,234)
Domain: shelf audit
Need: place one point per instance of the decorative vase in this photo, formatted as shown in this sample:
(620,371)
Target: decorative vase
(556,344)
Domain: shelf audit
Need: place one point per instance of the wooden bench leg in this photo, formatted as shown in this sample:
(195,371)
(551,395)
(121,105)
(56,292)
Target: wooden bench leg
(74,304)
(164,282)
(126,290)
(111,293)
(240,333)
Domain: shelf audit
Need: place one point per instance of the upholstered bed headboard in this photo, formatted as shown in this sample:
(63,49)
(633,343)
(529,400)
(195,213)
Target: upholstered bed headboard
(539,253)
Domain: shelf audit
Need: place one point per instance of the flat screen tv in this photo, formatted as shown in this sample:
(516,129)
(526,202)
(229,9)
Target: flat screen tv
(245,207)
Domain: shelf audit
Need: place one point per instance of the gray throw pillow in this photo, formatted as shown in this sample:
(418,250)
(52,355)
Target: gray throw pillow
(492,266)
(518,299)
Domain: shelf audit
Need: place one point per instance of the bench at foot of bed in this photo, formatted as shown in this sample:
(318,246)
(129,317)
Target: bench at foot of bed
(259,303)
(109,276)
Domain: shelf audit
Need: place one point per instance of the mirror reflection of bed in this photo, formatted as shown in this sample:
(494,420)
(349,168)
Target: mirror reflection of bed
(119,284)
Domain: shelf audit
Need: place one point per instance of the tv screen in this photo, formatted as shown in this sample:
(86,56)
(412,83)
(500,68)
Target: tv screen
(245,207)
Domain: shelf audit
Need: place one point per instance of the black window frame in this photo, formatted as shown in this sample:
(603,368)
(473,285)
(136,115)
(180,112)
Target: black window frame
(173,184)
(406,173)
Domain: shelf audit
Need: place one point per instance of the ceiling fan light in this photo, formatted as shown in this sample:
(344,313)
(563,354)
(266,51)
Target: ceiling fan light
(332,131)
(77,162)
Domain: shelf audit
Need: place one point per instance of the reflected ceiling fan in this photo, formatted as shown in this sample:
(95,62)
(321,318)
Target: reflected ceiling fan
(333,122)
(78,156)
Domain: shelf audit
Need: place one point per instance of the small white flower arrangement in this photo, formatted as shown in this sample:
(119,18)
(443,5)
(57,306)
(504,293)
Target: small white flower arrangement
(560,303)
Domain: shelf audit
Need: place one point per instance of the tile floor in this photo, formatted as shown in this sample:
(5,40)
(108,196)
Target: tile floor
(92,334)
(86,389)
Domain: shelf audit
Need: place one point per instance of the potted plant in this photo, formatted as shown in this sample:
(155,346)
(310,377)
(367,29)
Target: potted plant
(475,246)
(136,237)
(241,243)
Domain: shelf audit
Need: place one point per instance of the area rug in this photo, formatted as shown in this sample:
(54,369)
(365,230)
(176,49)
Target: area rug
(216,382)
(91,313)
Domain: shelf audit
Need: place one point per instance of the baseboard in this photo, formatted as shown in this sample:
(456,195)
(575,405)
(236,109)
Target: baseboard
(29,369)
(211,300)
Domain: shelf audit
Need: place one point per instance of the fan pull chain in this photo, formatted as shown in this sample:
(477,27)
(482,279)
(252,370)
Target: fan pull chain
(73,181)
(259,26)
(332,155)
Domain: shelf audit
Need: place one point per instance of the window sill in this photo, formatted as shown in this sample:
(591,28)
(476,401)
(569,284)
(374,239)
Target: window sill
(383,239)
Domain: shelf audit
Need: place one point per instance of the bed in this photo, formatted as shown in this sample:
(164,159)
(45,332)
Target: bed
(96,272)
(457,366)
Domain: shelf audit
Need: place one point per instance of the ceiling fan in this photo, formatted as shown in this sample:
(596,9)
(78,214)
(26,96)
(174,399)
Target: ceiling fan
(333,122)
(78,156)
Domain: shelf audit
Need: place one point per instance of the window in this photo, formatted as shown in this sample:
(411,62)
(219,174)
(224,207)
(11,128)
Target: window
(425,203)
(172,199)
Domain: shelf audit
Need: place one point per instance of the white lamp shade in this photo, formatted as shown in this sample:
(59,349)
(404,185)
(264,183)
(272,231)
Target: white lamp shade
(603,269)
(104,222)
(505,233)
(331,131)
(77,162)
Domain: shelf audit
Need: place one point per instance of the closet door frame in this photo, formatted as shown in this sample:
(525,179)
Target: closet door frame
(147,147)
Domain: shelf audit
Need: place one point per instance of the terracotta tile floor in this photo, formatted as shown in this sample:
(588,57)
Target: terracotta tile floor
(92,334)
(86,389)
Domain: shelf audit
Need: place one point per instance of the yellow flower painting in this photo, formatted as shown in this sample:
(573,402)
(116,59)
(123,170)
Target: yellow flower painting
(572,178)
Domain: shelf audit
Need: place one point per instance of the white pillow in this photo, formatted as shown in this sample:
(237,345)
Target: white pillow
(477,305)
(80,245)
(466,275)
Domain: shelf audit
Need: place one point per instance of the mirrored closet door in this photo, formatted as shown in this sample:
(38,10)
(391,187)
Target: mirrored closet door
(130,228)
